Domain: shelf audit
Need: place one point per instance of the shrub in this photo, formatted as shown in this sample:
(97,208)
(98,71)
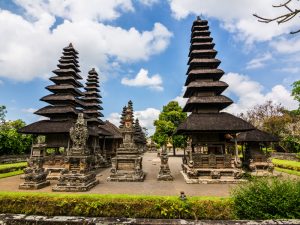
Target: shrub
(96,205)
(286,164)
(271,198)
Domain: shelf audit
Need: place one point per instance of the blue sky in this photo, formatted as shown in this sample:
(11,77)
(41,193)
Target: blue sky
(140,48)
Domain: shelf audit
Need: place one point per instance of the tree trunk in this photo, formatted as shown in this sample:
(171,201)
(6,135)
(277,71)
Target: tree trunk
(174,150)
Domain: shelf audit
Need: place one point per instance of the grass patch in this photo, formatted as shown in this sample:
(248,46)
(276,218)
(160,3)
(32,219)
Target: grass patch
(133,206)
(286,164)
(292,172)
(10,174)
(271,198)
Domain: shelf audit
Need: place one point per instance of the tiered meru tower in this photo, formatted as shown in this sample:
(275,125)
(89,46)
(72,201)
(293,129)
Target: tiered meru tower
(127,165)
(208,128)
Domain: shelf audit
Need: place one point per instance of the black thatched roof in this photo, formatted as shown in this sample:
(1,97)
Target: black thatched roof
(213,122)
(116,134)
(256,136)
(55,127)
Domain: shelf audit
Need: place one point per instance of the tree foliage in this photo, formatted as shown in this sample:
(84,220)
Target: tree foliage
(275,119)
(2,113)
(12,142)
(169,119)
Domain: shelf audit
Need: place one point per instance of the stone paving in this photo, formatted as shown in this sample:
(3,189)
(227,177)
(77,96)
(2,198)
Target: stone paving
(151,165)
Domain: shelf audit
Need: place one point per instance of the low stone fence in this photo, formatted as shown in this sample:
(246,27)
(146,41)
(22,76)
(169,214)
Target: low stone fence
(15,219)
(13,158)
(285,156)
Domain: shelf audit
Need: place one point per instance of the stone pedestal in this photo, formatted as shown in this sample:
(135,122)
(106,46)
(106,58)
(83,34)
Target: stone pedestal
(35,175)
(164,172)
(127,165)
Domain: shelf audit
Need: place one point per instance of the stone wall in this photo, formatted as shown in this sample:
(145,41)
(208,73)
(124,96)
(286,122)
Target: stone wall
(286,156)
(13,158)
(44,220)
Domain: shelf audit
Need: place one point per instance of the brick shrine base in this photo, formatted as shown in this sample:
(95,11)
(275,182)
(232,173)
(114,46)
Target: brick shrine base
(151,165)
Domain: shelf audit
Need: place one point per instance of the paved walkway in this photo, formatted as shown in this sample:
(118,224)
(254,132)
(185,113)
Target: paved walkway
(150,186)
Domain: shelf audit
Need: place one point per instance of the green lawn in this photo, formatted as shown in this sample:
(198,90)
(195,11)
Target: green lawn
(286,164)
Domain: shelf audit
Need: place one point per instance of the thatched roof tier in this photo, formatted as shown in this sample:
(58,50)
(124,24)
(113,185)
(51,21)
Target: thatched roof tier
(67,72)
(92,84)
(204,63)
(70,48)
(63,99)
(68,59)
(203,33)
(66,80)
(201,39)
(64,88)
(91,99)
(199,27)
(55,110)
(201,85)
(116,134)
(92,87)
(256,136)
(218,102)
(202,46)
(56,127)
(92,93)
(213,122)
(68,65)
(94,105)
(200,22)
(208,53)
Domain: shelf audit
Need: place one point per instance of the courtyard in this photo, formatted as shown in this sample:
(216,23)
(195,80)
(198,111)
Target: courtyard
(151,165)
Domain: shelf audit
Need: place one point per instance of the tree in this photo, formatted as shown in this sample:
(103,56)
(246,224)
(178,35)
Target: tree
(12,142)
(283,18)
(169,119)
(2,113)
(296,91)
(275,119)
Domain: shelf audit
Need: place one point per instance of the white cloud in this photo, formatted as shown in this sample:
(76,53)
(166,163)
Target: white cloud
(259,61)
(1,82)
(74,10)
(286,46)
(142,79)
(148,2)
(237,16)
(146,118)
(29,110)
(96,42)
(250,93)
(181,101)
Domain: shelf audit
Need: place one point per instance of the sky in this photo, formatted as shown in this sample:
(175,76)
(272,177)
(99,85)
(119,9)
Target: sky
(140,50)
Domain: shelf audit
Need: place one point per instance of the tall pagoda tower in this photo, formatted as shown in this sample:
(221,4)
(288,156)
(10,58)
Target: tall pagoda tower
(64,102)
(92,99)
(208,127)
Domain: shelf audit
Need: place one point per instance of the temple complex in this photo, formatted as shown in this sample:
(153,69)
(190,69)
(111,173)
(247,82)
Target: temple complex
(127,165)
(211,156)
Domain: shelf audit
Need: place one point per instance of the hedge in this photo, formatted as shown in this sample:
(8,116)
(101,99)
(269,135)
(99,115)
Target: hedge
(96,205)
(292,172)
(286,164)
(6,168)
(10,174)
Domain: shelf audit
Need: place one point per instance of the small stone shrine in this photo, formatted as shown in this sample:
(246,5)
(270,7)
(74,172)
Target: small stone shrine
(212,157)
(78,174)
(35,175)
(255,160)
(127,165)
(164,172)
